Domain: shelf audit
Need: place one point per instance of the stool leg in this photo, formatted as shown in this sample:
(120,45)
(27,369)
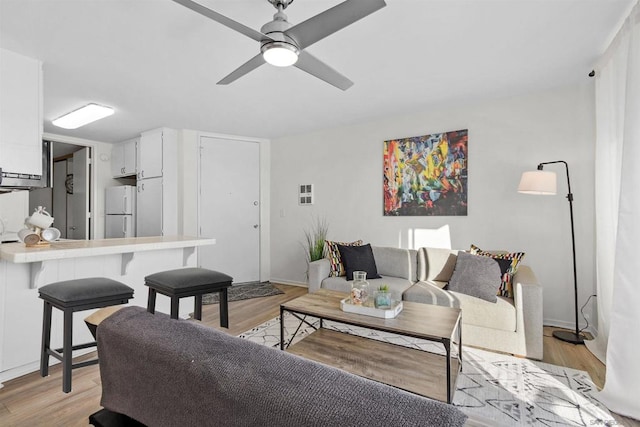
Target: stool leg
(46,340)
(197,311)
(224,308)
(67,351)
(151,301)
(174,307)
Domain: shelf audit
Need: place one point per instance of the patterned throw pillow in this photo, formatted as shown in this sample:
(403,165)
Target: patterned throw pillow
(333,254)
(506,287)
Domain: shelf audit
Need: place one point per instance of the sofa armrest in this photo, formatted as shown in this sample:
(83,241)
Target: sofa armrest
(528,302)
(318,271)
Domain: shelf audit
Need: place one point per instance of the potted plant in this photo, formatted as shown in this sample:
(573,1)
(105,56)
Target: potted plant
(382,297)
(314,241)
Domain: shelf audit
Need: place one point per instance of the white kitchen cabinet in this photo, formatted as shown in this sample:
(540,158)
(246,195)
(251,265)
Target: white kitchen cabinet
(20,114)
(123,158)
(149,207)
(150,153)
(157,182)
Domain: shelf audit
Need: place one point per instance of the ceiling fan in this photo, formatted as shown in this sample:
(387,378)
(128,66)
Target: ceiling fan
(282,44)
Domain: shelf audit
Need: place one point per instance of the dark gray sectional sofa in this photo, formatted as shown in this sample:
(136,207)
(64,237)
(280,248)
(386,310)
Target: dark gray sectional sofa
(165,372)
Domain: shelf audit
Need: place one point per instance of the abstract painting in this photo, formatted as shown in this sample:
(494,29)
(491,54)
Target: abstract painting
(426,175)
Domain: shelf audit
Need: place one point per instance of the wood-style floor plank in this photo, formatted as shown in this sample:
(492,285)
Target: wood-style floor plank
(34,401)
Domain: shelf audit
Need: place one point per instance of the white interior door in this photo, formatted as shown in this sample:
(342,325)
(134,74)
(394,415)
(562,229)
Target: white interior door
(78,225)
(230,207)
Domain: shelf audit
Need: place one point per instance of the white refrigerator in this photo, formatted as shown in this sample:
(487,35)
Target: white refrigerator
(120,209)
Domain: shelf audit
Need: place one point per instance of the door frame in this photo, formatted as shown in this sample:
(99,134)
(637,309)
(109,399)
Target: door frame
(92,173)
(264,149)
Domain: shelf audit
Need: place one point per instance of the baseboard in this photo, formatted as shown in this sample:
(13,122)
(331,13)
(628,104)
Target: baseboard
(288,282)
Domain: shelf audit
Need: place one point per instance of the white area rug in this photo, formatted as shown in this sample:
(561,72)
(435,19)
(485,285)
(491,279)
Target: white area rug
(493,389)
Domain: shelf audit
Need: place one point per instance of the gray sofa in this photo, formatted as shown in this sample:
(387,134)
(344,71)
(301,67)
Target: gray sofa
(166,372)
(510,325)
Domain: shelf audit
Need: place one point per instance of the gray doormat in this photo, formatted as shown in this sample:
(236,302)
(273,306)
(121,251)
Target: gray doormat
(245,291)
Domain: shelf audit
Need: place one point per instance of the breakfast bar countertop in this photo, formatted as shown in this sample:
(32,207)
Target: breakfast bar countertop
(18,253)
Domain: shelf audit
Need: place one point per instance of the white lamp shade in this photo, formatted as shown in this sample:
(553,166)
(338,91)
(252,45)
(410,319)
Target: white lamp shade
(538,182)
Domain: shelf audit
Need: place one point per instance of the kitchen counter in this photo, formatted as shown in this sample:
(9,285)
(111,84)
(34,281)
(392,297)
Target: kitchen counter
(18,253)
(23,270)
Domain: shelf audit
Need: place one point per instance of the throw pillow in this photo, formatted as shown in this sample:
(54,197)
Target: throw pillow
(333,255)
(508,270)
(359,258)
(476,275)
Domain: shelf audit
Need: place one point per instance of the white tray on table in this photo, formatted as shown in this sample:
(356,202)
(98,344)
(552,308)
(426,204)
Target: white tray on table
(385,313)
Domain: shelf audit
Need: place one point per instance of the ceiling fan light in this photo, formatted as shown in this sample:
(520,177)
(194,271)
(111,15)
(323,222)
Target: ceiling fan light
(82,116)
(280,54)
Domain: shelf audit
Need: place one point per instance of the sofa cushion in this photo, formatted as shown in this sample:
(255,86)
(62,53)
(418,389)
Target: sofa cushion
(500,315)
(475,311)
(396,262)
(431,292)
(506,287)
(477,276)
(358,258)
(436,264)
(333,254)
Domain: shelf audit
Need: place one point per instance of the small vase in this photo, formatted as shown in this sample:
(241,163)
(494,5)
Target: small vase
(359,288)
(382,299)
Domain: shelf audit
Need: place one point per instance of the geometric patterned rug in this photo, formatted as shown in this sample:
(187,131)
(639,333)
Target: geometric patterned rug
(493,389)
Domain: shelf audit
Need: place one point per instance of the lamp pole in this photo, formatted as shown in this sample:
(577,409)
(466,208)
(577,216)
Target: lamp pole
(572,337)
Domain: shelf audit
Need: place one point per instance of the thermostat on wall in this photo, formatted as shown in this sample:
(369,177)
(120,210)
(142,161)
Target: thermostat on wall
(305,194)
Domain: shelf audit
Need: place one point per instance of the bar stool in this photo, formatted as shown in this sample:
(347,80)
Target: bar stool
(70,296)
(189,282)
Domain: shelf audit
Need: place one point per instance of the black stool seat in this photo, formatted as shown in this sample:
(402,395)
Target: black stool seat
(71,293)
(189,282)
(71,296)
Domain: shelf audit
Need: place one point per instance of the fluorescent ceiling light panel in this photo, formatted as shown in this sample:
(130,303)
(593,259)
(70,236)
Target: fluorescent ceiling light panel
(82,116)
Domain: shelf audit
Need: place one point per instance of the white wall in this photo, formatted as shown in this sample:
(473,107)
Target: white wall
(506,137)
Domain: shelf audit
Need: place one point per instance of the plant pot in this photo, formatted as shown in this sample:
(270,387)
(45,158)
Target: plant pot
(382,299)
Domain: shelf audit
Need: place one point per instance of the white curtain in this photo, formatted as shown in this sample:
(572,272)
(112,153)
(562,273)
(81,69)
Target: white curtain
(617,191)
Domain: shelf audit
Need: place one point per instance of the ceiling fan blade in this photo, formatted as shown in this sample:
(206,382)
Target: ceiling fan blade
(331,20)
(315,67)
(221,19)
(245,68)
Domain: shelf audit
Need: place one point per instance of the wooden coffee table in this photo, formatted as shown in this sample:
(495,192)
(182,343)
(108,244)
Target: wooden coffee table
(420,372)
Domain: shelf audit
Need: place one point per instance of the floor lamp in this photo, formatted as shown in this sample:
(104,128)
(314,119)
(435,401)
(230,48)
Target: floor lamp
(544,183)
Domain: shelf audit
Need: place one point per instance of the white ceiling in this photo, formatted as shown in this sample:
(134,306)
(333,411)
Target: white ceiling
(157,63)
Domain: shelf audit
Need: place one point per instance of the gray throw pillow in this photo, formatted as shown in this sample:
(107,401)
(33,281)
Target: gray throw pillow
(477,276)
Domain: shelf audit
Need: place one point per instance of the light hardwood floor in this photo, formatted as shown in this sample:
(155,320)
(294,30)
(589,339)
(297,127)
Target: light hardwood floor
(34,401)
